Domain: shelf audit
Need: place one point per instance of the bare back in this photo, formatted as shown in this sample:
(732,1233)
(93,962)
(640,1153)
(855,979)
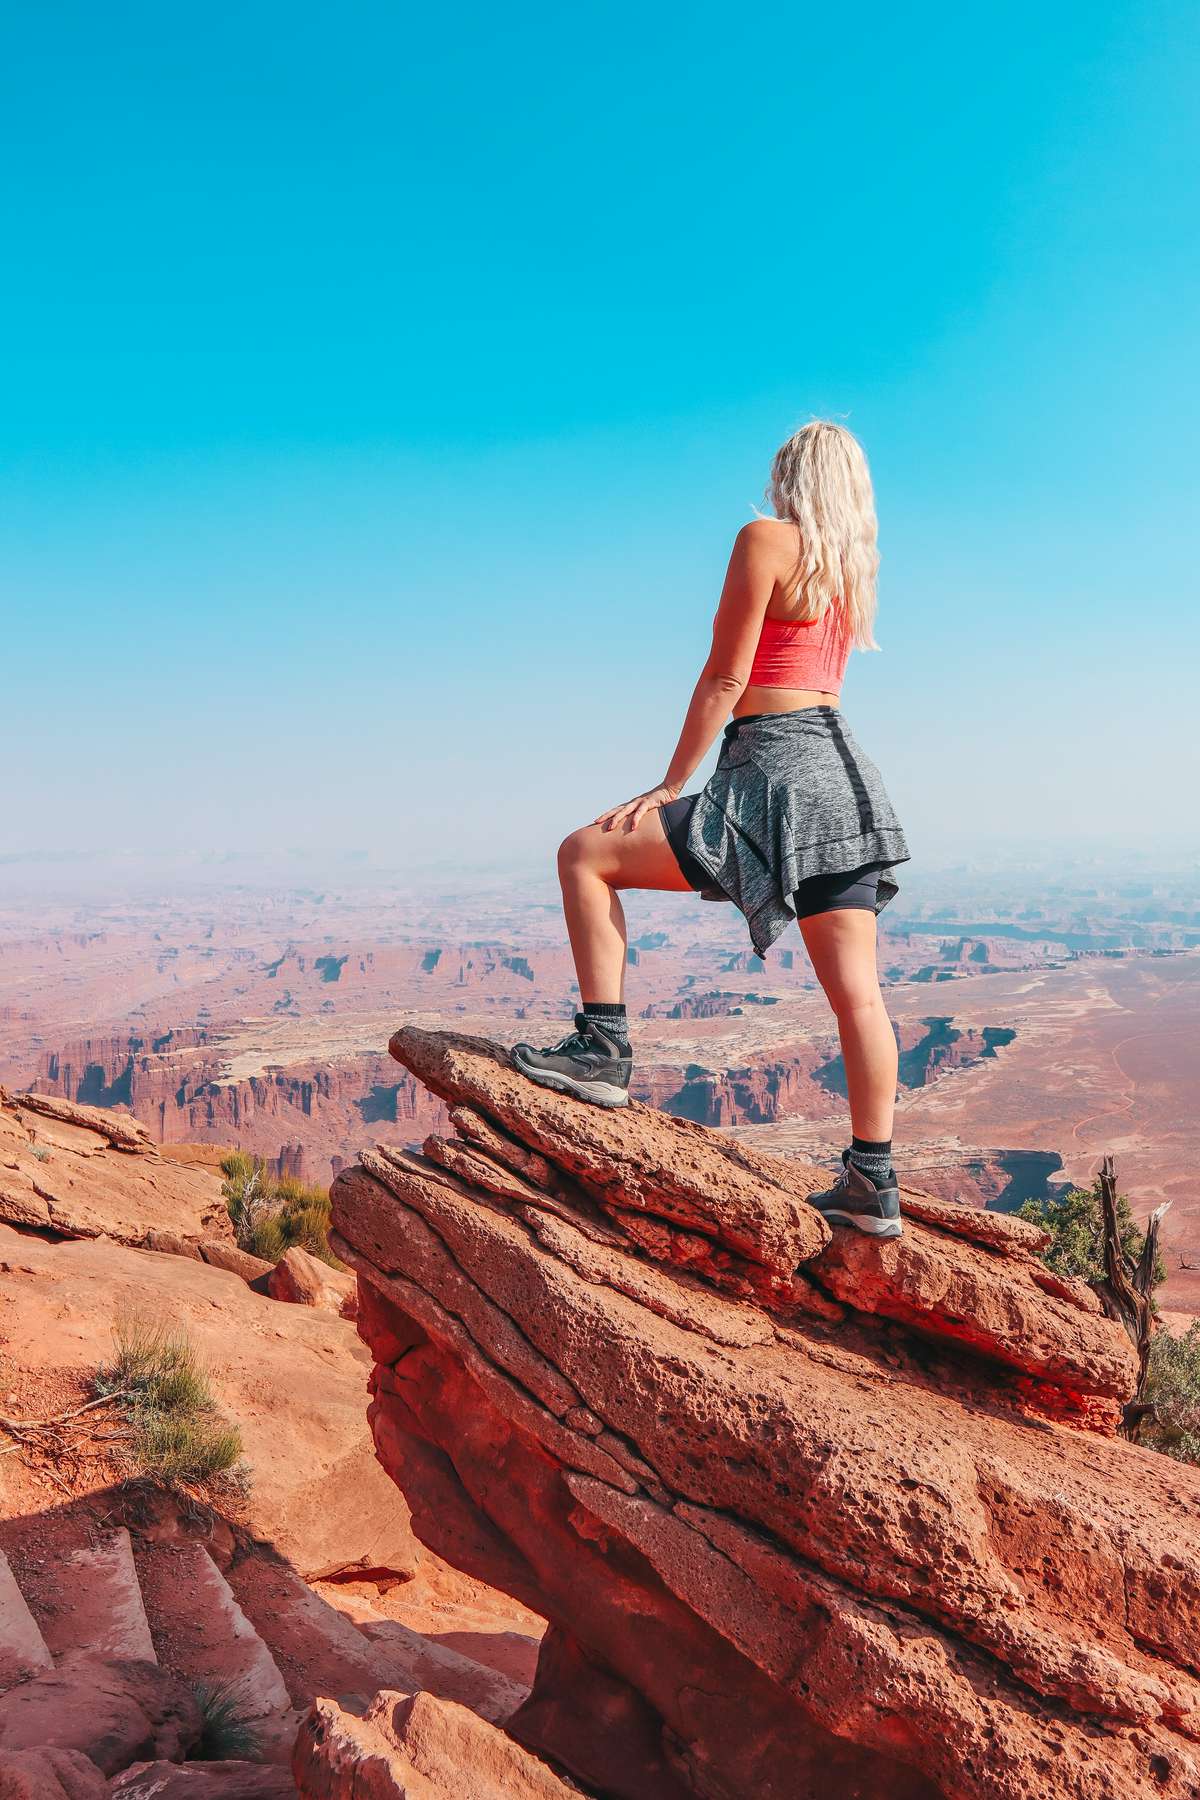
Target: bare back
(779,547)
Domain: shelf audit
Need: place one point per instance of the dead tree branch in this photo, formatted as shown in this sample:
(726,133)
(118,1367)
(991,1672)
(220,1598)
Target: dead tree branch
(1125,1292)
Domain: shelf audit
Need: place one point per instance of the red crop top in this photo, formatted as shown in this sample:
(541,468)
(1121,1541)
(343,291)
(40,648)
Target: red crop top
(797,653)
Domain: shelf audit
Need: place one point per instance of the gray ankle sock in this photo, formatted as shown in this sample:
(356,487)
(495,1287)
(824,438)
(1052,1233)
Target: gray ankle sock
(611,1018)
(874,1159)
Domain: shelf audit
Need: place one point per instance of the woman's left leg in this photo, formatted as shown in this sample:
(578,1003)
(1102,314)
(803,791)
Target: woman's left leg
(842,947)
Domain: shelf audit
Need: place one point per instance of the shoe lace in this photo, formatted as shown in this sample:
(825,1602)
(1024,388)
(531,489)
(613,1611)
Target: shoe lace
(572,1043)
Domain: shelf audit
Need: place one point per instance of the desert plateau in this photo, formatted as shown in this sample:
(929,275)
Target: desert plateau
(569,1453)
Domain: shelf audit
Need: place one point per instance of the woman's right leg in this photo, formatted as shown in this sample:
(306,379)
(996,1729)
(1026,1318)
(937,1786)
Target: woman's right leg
(595,1061)
(593,866)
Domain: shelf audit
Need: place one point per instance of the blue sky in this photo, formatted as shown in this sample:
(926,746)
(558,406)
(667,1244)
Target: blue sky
(382,390)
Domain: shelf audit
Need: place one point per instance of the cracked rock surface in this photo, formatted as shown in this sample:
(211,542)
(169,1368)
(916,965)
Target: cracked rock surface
(806,1516)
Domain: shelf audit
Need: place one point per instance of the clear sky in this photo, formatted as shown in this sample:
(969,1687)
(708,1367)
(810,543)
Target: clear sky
(383,387)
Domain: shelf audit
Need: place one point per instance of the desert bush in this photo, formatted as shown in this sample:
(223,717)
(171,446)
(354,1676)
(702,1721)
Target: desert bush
(1075,1222)
(179,1437)
(1172,1385)
(245,1190)
(270,1215)
(1173,1389)
(226,1734)
(187,1448)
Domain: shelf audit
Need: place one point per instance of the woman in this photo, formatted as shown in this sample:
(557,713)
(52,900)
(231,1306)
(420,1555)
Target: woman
(794,823)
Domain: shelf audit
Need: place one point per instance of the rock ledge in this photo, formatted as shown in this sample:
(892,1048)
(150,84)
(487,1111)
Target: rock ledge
(806,1516)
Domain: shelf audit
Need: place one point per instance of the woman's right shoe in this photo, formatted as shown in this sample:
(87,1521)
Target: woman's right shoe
(587,1063)
(854,1199)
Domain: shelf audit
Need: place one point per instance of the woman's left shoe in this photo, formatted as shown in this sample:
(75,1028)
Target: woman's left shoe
(588,1063)
(854,1199)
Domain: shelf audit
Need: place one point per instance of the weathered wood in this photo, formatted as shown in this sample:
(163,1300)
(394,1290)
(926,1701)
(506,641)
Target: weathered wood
(1125,1292)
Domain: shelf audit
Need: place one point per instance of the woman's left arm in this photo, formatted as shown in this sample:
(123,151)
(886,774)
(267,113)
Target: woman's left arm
(749,584)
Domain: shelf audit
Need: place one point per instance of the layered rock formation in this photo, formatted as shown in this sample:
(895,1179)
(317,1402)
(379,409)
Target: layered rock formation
(80,1171)
(298,1118)
(807,1516)
(414,1747)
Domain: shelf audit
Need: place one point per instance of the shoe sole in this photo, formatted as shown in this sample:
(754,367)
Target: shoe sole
(582,1090)
(879,1228)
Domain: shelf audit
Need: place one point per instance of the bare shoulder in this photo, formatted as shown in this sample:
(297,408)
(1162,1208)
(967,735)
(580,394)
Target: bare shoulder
(768,540)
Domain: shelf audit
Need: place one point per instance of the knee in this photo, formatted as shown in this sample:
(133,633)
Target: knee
(575,853)
(852,1000)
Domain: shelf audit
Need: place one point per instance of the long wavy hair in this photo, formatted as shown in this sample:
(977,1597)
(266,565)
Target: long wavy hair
(821,482)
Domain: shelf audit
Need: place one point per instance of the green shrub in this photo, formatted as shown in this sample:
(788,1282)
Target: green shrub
(179,1437)
(226,1734)
(1172,1386)
(1075,1221)
(187,1448)
(1173,1389)
(271,1215)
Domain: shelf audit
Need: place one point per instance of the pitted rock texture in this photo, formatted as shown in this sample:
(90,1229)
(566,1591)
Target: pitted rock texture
(864,1520)
(414,1747)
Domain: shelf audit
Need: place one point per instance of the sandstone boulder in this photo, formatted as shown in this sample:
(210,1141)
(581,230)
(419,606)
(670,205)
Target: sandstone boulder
(200,1781)
(869,1527)
(220,1255)
(173,1243)
(414,1747)
(121,1130)
(638,1159)
(50,1775)
(79,1171)
(112,1711)
(305,1280)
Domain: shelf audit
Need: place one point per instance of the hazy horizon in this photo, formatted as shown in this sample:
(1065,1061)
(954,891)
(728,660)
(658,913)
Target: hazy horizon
(74,876)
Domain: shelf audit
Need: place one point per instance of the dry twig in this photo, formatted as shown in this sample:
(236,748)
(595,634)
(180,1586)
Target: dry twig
(1125,1292)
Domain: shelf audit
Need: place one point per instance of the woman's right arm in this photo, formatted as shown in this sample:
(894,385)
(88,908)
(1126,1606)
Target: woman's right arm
(749,583)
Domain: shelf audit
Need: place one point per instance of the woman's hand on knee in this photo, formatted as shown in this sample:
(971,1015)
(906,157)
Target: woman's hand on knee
(630,813)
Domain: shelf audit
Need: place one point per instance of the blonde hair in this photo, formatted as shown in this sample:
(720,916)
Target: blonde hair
(821,482)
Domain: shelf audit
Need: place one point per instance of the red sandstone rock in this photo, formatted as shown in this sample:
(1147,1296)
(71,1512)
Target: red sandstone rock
(803,1550)
(999,1231)
(292,1377)
(121,1131)
(50,1775)
(638,1159)
(220,1255)
(171,1243)
(60,1173)
(995,1305)
(414,1747)
(305,1280)
(110,1710)
(201,1781)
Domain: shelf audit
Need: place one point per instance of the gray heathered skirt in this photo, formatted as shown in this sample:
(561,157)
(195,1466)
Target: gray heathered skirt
(792,796)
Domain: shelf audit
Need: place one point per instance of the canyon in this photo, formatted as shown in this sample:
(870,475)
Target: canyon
(672,1494)
(255,1019)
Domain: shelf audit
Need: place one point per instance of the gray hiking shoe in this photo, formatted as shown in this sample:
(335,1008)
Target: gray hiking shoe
(854,1199)
(588,1063)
